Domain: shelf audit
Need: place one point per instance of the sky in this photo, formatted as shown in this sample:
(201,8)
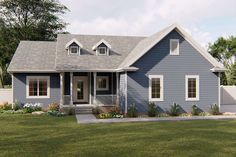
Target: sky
(205,20)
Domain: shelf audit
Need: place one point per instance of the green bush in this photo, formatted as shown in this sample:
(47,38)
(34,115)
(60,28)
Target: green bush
(53,107)
(16,106)
(104,115)
(195,110)
(5,106)
(204,114)
(174,110)
(13,111)
(214,109)
(31,107)
(56,113)
(152,109)
(115,111)
(132,111)
(96,110)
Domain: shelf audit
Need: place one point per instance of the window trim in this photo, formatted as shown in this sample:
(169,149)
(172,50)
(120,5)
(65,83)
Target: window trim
(161,77)
(197,87)
(102,47)
(78,50)
(107,83)
(174,40)
(37,78)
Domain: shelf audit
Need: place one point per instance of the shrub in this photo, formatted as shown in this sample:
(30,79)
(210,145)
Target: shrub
(16,106)
(163,115)
(204,114)
(132,111)
(14,112)
(53,107)
(215,110)
(96,110)
(5,106)
(31,107)
(115,111)
(152,109)
(195,110)
(56,113)
(104,115)
(174,110)
(185,115)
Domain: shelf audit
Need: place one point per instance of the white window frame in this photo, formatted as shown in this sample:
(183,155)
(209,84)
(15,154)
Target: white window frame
(161,77)
(37,78)
(107,83)
(78,50)
(197,87)
(102,47)
(174,53)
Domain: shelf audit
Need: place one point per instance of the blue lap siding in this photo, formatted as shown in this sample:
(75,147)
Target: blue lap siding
(158,61)
(19,92)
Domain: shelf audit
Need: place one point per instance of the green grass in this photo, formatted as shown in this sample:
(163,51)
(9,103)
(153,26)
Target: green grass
(28,135)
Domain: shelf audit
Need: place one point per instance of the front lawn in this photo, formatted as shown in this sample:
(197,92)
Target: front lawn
(30,135)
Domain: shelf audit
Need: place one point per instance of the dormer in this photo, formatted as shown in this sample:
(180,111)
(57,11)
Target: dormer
(74,47)
(102,48)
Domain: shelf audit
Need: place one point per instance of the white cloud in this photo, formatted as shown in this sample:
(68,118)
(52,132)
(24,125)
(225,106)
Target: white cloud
(145,17)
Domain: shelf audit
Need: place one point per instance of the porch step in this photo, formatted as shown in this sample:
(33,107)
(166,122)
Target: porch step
(83,109)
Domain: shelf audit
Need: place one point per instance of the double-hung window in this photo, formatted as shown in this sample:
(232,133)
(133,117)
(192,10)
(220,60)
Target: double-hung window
(38,86)
(102,51)
(156,90)
(192,87)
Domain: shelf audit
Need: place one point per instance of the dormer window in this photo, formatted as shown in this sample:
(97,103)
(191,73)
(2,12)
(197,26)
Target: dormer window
(102,48)
(73,47)
(102,51)
(174,46)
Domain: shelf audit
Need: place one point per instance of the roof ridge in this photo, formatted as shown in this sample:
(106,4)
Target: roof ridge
(131,36)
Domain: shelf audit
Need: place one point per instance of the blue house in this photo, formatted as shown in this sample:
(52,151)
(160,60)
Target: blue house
(166,67)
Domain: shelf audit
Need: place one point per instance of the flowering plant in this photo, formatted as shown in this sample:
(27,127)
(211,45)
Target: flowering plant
(31,107)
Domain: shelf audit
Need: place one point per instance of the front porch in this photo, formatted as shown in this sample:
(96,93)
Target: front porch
(89,88)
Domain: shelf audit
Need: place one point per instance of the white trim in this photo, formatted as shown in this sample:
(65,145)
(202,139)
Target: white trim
(95,86)
(100,42)
(161,77)
(102,47)
(90,91)
(197,87)
(128,62)
(219,90)
(117,88)
(73,41)
(37,78)
(62,88)
(174,53)
(12,87)
(107,83)
(78,50)
(126,93)
(71,88)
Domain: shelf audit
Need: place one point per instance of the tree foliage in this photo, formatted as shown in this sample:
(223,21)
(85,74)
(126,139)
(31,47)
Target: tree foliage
(224,50)
(27,20)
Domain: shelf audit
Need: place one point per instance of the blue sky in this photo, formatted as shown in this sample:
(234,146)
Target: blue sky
(205,20)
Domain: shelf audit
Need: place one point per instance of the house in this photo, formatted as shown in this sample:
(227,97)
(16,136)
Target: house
(166,67)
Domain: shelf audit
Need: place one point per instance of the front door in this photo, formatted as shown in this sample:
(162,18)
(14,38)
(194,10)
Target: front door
(80,89)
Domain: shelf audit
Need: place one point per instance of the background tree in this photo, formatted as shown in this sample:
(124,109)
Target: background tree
(224,50)
(26,20)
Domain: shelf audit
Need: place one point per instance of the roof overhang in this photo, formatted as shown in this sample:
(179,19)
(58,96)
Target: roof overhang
(100,42)
(73,41)
(217,69)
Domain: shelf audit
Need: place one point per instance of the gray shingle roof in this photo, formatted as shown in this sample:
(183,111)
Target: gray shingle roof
(121,47)
(34,56)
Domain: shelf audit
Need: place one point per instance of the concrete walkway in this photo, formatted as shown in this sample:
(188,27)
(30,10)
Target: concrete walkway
(90,118)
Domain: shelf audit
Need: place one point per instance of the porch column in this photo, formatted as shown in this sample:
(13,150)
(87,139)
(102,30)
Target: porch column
(117,88)
(71,88)
(95,87)
(62,88)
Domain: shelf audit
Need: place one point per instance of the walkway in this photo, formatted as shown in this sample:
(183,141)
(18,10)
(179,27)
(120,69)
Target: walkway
(90,118)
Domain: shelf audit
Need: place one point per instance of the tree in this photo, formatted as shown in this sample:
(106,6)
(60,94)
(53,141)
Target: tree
(26,20)
(232,76)
(224,49)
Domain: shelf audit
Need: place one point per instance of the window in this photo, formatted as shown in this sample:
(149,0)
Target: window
(37,87)
(192,87)
(102,51)
(156,88)
(102,83)
(74,50)
(174,46)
